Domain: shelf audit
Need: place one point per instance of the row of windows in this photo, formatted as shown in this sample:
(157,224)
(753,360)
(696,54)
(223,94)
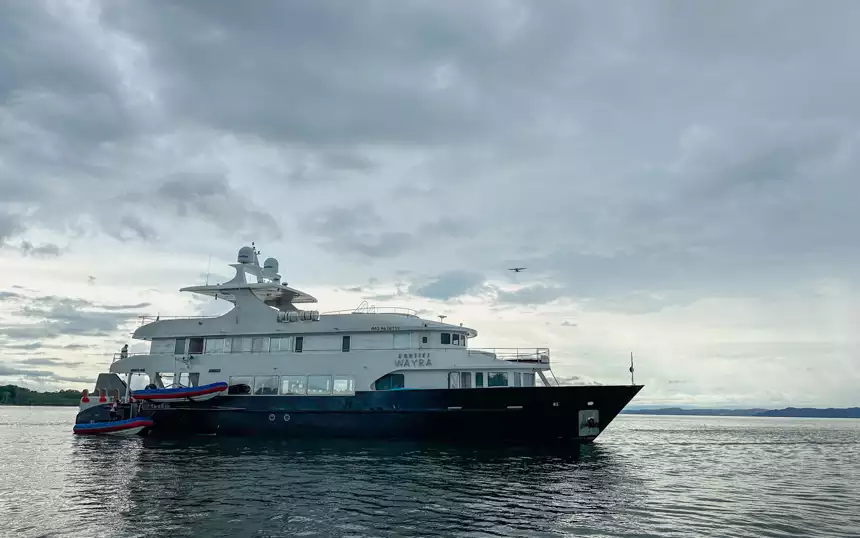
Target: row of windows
(294,385)
(266,344)
(463,380)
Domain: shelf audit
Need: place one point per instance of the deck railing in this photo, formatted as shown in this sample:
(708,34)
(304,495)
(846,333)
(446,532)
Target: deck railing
(150,319)
(376,310)
(537,355)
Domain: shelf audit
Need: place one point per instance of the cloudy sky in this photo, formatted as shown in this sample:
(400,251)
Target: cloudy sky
(680,179)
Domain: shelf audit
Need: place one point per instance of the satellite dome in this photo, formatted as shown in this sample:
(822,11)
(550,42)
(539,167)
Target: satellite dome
(246,255)
(271,263)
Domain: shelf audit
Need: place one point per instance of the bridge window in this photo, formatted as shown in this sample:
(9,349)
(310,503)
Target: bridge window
(497,379)
(456,339)
(528,379)
(214,345)
(345,344)
(518,379)
(300,341)
(479,379)
(344,385)
(195,345)
(260,344)
(446,338)
(281,343)
(240,385)
(266,385)
(179,349)
(240,344)
(388,382)
(319,384)
(293,384)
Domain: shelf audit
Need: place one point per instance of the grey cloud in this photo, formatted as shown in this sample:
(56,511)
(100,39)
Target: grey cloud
(210,197)
(48,361)
(9,226)
(8,371)
(132,227)
(568,324)
(449,285)
(533,294)
(45,250)
(27,347)
(6,295)
(361,230)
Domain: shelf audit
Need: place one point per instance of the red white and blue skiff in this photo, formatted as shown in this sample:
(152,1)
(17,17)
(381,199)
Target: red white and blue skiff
(182,394)
(129,426)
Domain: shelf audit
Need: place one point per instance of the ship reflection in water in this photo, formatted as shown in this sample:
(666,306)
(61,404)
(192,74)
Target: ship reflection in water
(647,476)
(214,486)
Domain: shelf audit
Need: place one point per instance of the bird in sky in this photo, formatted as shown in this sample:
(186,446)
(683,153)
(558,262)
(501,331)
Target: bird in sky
(517,269)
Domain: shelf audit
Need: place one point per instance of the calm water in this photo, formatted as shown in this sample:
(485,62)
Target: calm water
(647,476)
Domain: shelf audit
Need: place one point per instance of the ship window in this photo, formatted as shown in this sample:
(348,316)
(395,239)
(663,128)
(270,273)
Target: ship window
(463,340)
(260,344)
(528,380)
(497,379)
(479,379)
(388,382)
(240,385)
(345,345)
(518,379)
(279,343)
(164,380)
(456,339)
(195,345)
(184,380)
(344,385)
(319,384)
(179,349)
(453,380)
(423,339)
(465,380)
(214,345)
(214,370)
(266,385)
(446,338)
(293,384)
(240,344)
(300,340)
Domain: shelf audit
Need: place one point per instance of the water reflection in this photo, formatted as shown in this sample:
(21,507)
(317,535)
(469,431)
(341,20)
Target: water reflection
(235,486)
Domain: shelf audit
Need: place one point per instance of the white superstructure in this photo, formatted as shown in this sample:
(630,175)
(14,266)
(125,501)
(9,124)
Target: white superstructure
(265,345)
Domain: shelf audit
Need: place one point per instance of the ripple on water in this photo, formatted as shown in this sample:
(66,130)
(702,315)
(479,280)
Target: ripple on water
(648,476)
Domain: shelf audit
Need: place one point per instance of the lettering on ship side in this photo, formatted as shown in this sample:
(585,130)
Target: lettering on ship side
(385,328)
(413,360)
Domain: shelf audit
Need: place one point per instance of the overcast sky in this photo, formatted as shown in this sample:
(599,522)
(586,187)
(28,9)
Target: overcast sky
(680,178)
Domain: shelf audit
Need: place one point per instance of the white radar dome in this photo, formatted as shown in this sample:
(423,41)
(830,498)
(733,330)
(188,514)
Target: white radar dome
(246,255)
(271,264)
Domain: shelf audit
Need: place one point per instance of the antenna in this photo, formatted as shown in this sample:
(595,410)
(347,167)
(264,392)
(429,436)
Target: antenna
(631,369)
(208,266)
(441,317)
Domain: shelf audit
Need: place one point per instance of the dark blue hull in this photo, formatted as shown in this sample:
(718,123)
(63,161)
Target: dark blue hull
(527,413)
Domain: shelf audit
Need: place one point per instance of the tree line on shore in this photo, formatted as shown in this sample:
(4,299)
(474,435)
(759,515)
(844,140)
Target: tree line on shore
(15,395)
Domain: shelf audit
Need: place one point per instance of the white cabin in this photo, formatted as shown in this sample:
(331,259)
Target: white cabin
(265,345)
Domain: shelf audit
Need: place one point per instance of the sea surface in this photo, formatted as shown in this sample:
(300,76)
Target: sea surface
(645,476)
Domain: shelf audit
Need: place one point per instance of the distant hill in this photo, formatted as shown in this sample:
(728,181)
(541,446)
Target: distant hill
(15,395)
(849,412)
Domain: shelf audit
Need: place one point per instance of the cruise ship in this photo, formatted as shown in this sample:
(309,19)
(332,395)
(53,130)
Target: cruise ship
(268,368)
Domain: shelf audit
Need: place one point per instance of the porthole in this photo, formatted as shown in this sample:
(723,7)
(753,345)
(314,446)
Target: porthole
(272,418)
(286,418)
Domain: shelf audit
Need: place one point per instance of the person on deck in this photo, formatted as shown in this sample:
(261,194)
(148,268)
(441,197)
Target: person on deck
(113,411)
(123,354)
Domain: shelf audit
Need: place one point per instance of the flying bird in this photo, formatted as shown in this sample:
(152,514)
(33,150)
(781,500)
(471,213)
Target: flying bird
(517,269)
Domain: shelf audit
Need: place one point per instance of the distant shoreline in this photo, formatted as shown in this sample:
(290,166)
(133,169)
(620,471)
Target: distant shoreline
(790,412)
